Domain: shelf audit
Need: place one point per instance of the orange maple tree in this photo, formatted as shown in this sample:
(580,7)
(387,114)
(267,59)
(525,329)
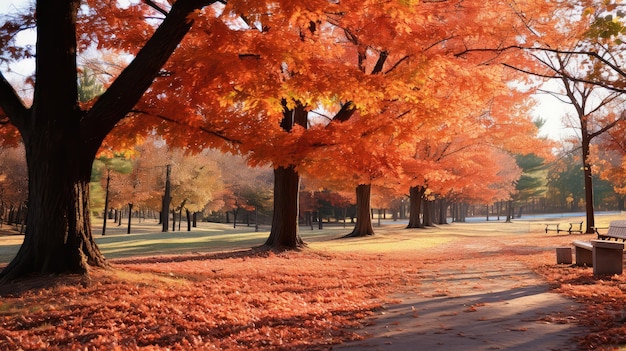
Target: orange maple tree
(232,75)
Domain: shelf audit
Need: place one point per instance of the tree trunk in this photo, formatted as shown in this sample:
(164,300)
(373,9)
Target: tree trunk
(58,236)
(588,184)
(427,213)
(188,220)
(443,211)
(166,200)
(284,232)
(173,220)
(416,193)
(363,225)
(509,210)
(180,218)
(130,216)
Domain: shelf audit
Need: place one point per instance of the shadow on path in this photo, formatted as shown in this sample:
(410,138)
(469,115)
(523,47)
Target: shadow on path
(479,308)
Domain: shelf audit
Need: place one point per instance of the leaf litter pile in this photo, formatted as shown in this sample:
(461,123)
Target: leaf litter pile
(240,301)
(303,300)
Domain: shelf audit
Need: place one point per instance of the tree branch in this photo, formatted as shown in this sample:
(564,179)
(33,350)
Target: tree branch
(591,54)
(346,111)
(203,129)
(155,6)
(397,64)
(382,57)
(132,83)
(540,75)
(11,104)
(608,126)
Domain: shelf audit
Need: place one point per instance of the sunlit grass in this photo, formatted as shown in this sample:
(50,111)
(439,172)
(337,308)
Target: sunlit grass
(378,244)
(147,239)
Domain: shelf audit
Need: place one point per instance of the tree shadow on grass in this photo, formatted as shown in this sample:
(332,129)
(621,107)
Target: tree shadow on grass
(261,251)
(18,287)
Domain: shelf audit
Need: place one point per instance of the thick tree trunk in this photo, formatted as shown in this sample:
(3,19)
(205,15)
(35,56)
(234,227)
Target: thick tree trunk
(284,233)
(416,193)
(363,225)
(58,236)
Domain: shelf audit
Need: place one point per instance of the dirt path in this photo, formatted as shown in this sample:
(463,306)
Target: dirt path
(474,304)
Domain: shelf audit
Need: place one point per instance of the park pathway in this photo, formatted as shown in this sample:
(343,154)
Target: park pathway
(485,304)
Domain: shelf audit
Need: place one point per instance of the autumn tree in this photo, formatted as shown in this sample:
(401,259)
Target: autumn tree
(585,56)
(266,72)
(61,137)
(244,188)
(195,181)
(105,170)
(457,161)
(597,111)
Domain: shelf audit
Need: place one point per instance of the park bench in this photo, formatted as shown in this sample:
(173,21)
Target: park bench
(553,227)
(616,230)
(571,229)
(606,257)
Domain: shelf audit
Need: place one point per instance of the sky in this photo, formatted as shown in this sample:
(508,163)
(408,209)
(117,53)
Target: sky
(555,113)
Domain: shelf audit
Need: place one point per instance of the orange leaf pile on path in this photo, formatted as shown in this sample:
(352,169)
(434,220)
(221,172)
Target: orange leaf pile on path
(299,300)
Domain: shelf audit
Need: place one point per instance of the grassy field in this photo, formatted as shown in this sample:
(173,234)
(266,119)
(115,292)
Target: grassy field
(147,239)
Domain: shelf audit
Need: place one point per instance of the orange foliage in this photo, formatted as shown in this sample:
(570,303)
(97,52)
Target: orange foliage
(230,80)
(609,157)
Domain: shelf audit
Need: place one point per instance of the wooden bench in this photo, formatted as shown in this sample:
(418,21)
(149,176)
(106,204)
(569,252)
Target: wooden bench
(573,230)
(556,227)
(616,230)
(606,257)
(553,227)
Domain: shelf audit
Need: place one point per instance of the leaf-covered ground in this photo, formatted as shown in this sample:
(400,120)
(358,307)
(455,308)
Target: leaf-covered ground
(243,301)
(305,300)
